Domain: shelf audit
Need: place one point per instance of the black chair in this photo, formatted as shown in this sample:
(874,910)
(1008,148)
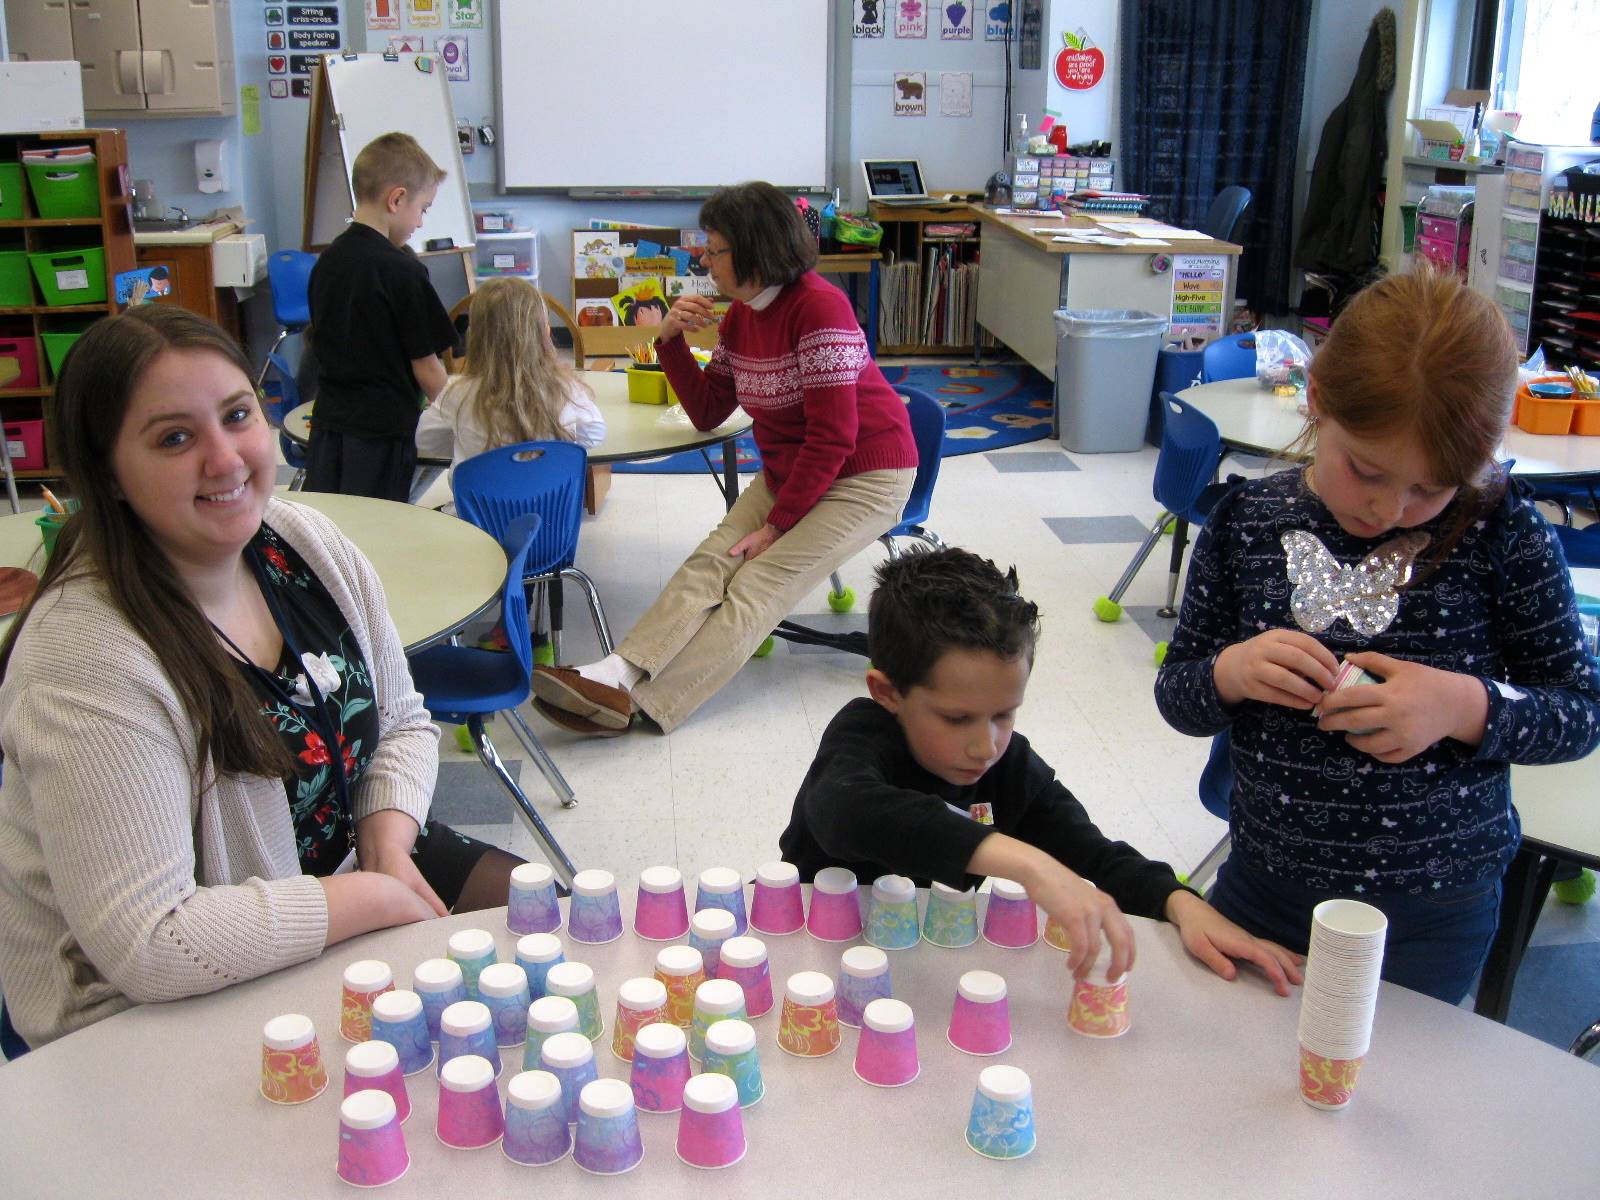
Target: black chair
(1225,218)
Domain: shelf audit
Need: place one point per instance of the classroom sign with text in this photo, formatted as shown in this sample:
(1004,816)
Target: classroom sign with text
(910,94)
(955,22)
(1080,64)
(324,15)
(911,19)
(1198,287)
(997,21)
(867,18)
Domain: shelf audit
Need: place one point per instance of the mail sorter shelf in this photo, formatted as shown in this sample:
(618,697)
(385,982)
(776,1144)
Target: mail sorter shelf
(928,297)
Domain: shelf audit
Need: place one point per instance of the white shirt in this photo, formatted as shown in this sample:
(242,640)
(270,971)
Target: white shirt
(450,426)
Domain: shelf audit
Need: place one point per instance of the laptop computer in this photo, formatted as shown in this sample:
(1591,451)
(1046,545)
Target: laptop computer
(894,181)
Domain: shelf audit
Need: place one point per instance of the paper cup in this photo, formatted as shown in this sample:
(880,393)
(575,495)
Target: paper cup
(1099,1008)
(397,1018)
(714,1000)
(537,1132)
(980,1021)
(439,983)
(744,961)
(372,1148)
(892,913)
(472,950)
(710,1127)
(362,981)
(536,954)
(1001,1122)
(607,1141)
(722,887)
(951,920)
(1339,997)
(1011,920)
(660,1068)
(570,1058)
(886,1054)
(731,1051)
(1055,934)
(681,969)
(469,1104)
(291,1060)
(503,989)
(466,1028)
(835,914)
(376,1065)
(640,1002)
(532,906)
(662,912)
(863,977)
(778,906)
(809,1026)
(575,981)
(547,1016)
(594,914)
(1328,1083)
(708,929)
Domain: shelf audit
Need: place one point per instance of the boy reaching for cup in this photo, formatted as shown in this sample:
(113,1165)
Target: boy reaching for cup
(927,779)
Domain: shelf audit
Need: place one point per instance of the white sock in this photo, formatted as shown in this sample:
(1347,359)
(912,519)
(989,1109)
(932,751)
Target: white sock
(614,671)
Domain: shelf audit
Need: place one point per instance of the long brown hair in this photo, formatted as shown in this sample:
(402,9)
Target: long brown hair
(520,384)
(105,541)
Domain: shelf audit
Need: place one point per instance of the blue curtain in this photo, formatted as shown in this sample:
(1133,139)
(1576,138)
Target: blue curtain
(1210,94)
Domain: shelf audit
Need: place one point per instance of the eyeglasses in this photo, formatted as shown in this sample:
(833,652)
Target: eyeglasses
(710,253)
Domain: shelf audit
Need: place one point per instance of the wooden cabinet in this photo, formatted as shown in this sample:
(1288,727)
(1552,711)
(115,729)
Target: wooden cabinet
(928,297)
(189,270)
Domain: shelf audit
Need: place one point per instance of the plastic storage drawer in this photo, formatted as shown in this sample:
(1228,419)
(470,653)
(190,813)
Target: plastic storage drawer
(1438,227)
(1443,252)
(71,276)
(16,289)
(63,190)
(11,192)
(25,442)
(24,352)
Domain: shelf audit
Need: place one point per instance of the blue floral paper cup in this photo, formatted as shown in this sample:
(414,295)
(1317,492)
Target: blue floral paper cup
(1001,1123)
(531,906)
(892,914)
(504,991)
(439,982)
(608,1141)
(722,887)
(951,919)
(537,1132)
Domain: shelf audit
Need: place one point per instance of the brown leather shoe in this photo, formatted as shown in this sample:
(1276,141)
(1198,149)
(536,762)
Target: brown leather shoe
(576,724)
(564,688)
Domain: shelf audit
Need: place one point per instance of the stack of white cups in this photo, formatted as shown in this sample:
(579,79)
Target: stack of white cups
(1338,1000)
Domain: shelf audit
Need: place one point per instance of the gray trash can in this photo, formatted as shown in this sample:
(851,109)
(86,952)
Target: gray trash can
(1105,366)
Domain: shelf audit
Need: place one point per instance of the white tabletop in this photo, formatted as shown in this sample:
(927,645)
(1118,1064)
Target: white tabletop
(438,572)
(1257,422)
(1203,1088)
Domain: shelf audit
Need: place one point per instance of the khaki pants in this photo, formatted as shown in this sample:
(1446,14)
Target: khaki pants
(716,610)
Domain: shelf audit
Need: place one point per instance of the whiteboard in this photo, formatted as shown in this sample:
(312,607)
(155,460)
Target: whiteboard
(688,94)
(371,96)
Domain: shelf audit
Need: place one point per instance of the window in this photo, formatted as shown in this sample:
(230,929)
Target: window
(1544,67)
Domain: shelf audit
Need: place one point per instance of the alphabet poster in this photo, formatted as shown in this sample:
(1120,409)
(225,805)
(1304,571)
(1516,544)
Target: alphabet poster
(868,16)
(955,22)
(910,94)
(911,19)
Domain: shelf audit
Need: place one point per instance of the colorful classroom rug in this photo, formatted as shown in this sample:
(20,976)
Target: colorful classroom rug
(986,408)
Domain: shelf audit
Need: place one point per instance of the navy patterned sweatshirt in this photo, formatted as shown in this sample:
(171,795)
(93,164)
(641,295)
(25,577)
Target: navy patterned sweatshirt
(1308,808)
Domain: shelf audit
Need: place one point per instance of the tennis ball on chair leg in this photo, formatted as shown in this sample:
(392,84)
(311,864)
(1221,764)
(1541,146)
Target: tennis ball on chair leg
(1577,890)
(1161,653)
(764,649)
(1107,609)
(842,602)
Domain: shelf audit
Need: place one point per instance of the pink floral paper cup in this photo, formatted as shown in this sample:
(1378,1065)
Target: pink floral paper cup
(1328,1083)
(662,911)
(291,1060)
(778,905)
(835,914)
(980,1021)
(640,1002)
(1011,920)
(809,1025)
(744,961)
(886,1054)
(372,1147)
(1099,1007)
(362,981)
(660,1068)
(377,1065)
(710,1125)
(470,1116)
(681,969)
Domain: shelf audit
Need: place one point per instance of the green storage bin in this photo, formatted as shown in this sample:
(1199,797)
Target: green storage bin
(71,276)
(11,192)
(16,291)
(65,189)
(56,346)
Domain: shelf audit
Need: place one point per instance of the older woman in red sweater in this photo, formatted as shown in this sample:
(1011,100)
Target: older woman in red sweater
(837,459)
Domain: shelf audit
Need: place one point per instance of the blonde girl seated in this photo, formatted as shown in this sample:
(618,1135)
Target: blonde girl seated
(514,388)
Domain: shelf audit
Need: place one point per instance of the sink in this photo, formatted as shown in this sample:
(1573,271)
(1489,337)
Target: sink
(162,225)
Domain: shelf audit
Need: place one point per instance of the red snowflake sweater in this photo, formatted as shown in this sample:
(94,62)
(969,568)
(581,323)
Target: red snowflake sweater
(822,409)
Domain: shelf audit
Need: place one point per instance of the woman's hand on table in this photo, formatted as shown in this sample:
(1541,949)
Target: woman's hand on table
(753,544)
(687,314)
(1217,941)
(384,841)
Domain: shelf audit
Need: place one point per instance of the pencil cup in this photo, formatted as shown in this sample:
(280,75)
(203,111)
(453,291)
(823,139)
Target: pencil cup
(662,913)
(504,991)
(362,981)
(744,961)
(1001,1124)
(1011,920)
(575,981)
(708,929)
(863,978)
(722,887)
(980,1022)
(595,914)
(536,954)
(376,1065)
(835,914)
(886,1054)
(778,906)
(731,1051)
(681,969)
(537,1132)
(1099,1005)
(809,1026)
(467,1028)
(640,1002)
(608,1141)
(710,1127)
(547,1016)
(397,1018)
(660,1067)
(469,1104)
(892,913)
(372,1147)
(472,950)
(439,983)
(952,917)
(291,1060)
(532,906)
(1055,934)
(714,1000)
(570,1058)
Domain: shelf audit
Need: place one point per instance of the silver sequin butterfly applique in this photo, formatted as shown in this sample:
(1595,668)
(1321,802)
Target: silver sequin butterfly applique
(1366,594)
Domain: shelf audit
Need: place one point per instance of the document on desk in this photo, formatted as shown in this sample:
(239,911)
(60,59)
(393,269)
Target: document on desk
(1155,230)
(1089,238)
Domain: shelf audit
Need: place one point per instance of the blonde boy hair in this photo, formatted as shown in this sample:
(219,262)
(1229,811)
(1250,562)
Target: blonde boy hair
(390,161)
(520,384)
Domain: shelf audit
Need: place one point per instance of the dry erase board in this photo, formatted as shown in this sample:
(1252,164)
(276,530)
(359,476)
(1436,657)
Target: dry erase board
(645,94)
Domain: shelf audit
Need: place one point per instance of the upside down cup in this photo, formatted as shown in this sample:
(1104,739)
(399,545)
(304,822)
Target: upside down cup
(536,953)
(372,1147)
(980,1021)
(1001,1121)
(863,977)
(472,950)
(723,887)
(439,983)
(731,1051)
(1056,935)
(575,981)
(886,1054)
(951,920)
(1012,919)
(469,1104)
(809,1026)
(1100,1007)
(710,1127)
(595,913)
(503,989)
(291,1060)
(681,969)
(778,906)
(744,961)
(640,1002)
(607,1141)
(532,906)
(467,1028)
(835,914)
(547,1016)
(714,1000)
(660,1068)
(376,1065)
(892,913)
(662,912)
(1328,1083)
(570,1058)
(708,929)
(362,981)
(537,1132)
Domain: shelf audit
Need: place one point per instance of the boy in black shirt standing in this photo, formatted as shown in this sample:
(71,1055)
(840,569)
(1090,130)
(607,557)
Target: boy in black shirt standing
(378,329)
(927,779)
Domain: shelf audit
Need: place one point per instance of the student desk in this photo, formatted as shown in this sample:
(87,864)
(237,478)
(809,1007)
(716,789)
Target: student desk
(1203,1087)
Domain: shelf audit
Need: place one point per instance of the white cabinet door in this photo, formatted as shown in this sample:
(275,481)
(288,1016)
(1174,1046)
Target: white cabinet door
(188,55)
(39,30)
(105,39)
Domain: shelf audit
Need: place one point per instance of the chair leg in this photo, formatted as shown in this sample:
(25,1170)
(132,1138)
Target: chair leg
(1588,1042)
(559,862)
(553,603)
(1139,555)
(266,363)
(299,480)
(541,759)
(1201,878)
(1180,539)
(596,609)
(835,584)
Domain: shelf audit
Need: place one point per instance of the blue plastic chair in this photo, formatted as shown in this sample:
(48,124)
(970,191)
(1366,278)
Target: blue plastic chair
(1225,218)
(1581,546)
(462,685)
(494,488)
(1191,450)
(1232,357)
(289,274)
(1216,790)
(288,399)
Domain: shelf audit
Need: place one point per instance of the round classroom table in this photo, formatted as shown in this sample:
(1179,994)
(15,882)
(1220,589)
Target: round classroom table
(1254,421)
(409,547)
(1204,1087)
